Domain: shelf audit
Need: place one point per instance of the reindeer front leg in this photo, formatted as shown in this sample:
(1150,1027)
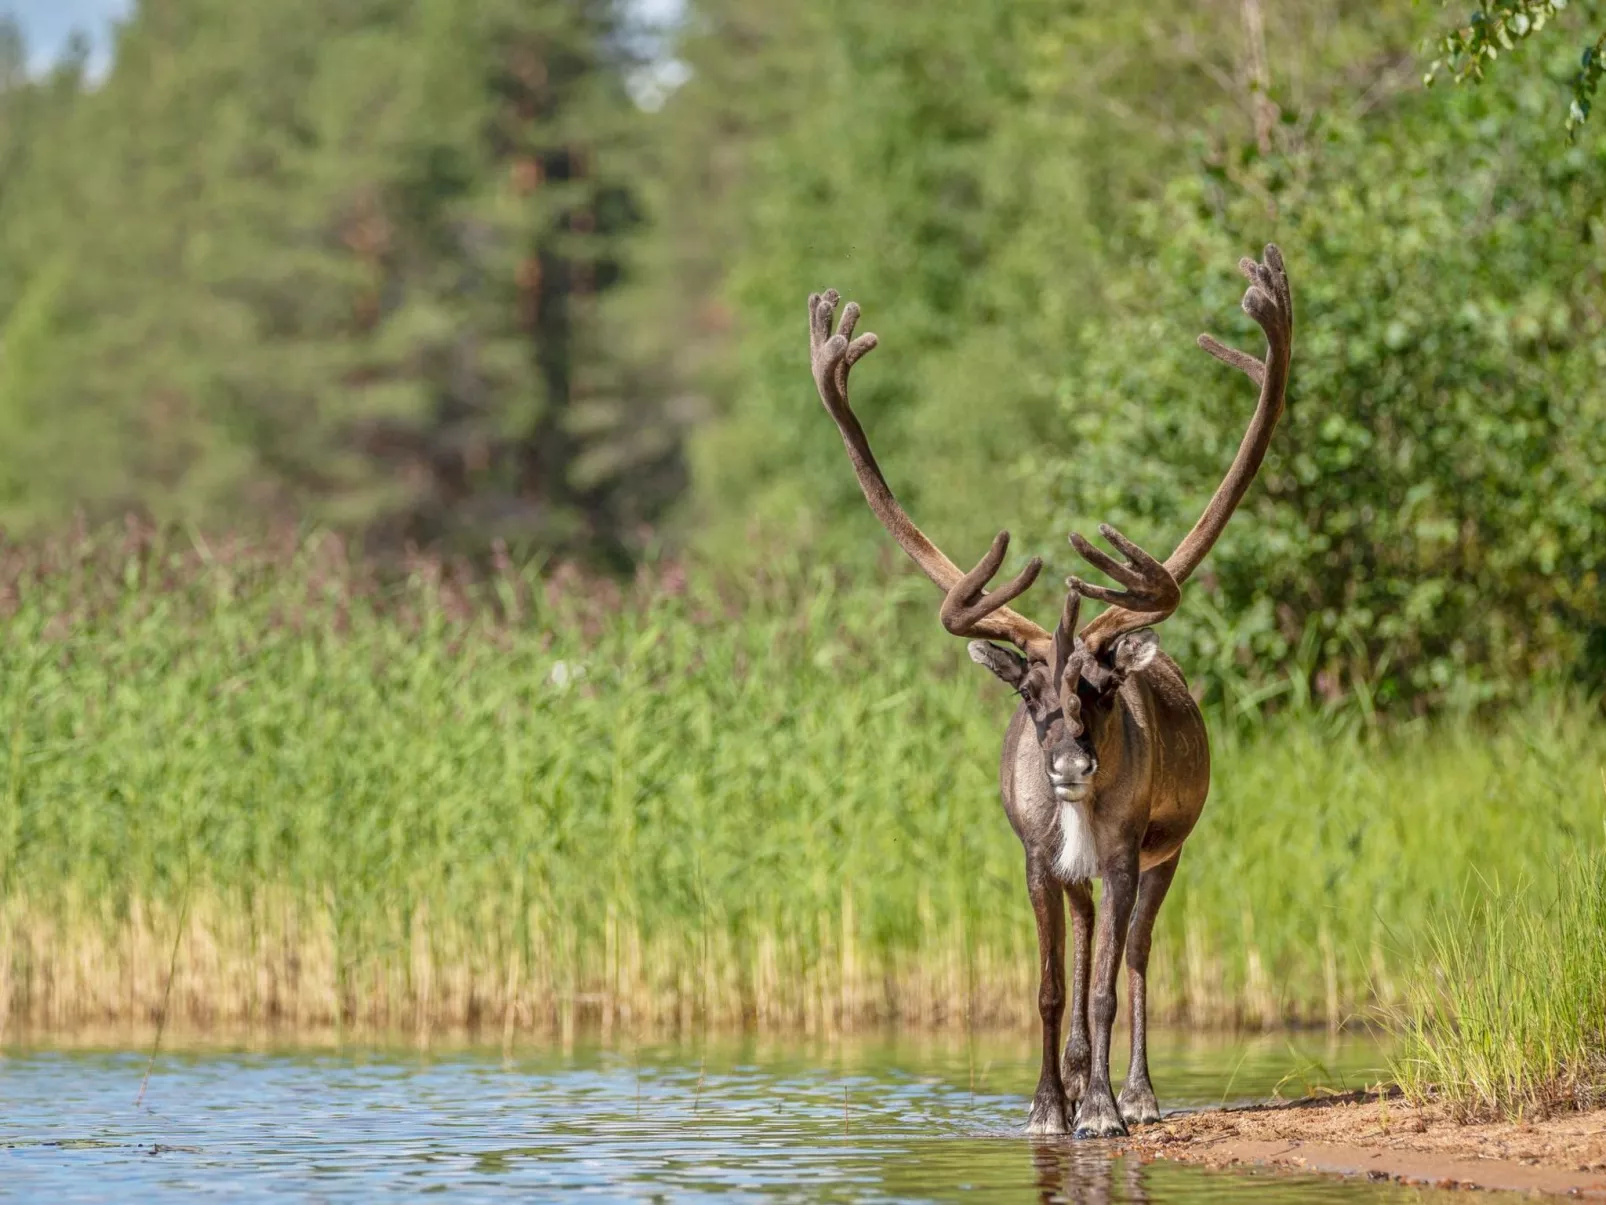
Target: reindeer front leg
(1048,1103)
(1078,1059)
(1097,1116)
(1137,1103)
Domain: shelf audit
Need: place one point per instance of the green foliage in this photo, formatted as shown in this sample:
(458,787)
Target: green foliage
(1468,50)
(1510,1016)
(1432,511)
(534,780)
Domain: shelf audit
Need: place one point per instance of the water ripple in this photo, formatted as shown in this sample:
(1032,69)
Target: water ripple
(739,1121)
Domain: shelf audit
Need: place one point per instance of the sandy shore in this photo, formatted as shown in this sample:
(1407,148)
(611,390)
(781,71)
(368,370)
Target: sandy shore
(1383,1137)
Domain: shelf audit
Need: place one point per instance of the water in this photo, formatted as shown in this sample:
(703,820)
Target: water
(906,1120)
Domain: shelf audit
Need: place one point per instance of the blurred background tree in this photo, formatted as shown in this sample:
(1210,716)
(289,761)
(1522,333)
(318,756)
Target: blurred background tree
(446,271)
(339,262)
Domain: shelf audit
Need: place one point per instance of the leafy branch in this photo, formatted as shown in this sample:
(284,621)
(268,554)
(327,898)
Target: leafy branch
(1465,51)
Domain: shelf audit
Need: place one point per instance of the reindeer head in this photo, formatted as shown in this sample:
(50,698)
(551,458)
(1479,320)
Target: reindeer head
(1071,693)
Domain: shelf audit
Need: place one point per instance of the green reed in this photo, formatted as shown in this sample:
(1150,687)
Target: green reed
(1509,1016)
(539,802)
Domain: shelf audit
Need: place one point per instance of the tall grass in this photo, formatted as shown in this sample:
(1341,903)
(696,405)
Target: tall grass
(321,800)
(1511,1016)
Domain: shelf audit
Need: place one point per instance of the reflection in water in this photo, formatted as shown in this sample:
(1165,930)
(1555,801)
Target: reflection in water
(761,1121)
(1076,1173)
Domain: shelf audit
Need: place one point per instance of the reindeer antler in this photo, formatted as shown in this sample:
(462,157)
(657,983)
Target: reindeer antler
(1151,593)
(1152,589)
(965,606)
(1149,586)
(963,612)
(1071,660)
(1270,302)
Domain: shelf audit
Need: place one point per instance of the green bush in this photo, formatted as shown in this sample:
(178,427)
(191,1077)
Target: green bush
(1433,508)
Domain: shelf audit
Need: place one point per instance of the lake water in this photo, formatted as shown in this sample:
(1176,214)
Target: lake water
(903,1119)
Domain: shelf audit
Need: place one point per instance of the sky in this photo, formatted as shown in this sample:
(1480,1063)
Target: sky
(46,24)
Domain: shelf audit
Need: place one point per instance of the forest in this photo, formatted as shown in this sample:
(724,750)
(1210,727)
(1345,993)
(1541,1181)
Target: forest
(448,273)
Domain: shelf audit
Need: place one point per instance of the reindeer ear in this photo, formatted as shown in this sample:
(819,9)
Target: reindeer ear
(1135,651)
(1006,663)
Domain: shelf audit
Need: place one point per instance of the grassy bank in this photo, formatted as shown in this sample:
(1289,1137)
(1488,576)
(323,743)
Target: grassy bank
(1510,1018)
(323,802)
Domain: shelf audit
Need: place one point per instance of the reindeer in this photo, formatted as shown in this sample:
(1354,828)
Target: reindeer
(1106,762)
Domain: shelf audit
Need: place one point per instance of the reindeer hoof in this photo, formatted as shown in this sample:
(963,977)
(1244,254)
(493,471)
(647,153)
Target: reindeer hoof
(1048,1115)
(1097,1116)
(1138,1106)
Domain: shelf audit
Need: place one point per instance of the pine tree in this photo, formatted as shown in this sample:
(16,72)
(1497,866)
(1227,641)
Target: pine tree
(347,262)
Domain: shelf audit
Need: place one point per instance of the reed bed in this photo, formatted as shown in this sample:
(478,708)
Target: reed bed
(1510,1017)
(267,786)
